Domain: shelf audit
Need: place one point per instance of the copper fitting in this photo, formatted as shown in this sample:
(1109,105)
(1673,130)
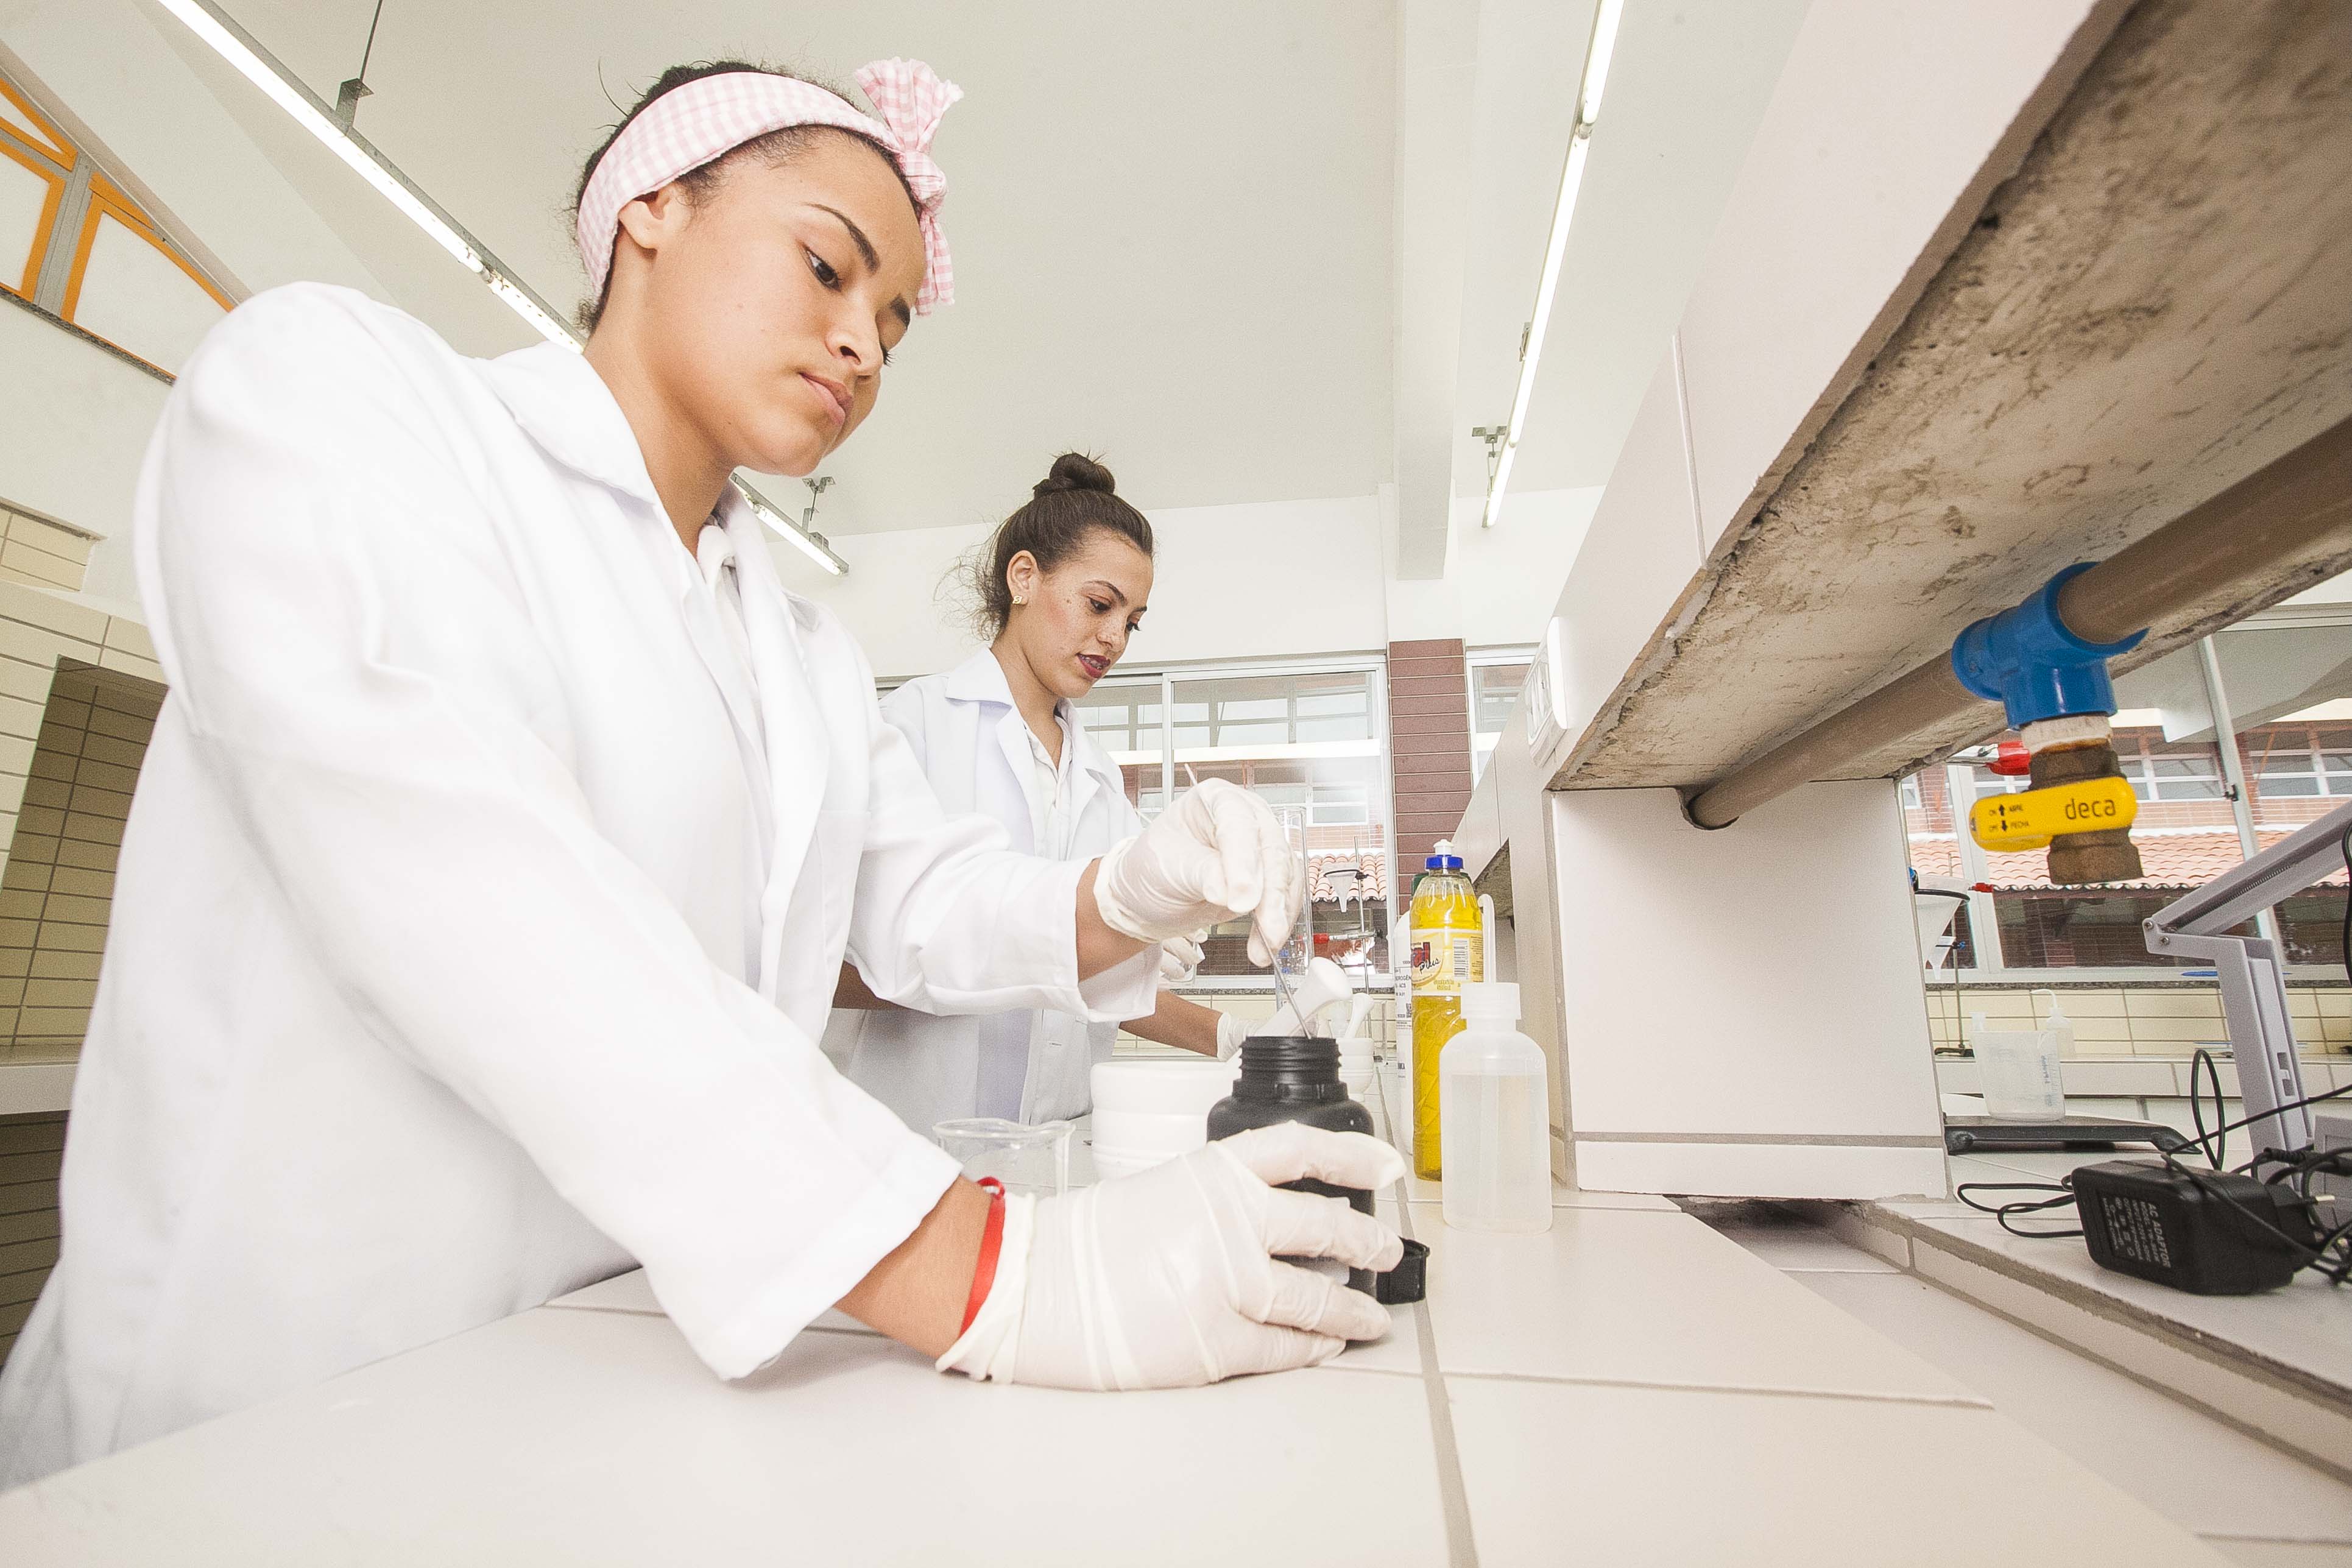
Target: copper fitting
(2106,855)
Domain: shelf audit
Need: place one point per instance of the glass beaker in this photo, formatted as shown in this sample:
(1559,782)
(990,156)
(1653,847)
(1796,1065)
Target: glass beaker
(1027,1159)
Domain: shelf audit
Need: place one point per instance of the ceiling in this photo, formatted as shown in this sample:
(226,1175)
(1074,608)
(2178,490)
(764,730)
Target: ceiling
(1170,223)
(1687,87)
(1176,228)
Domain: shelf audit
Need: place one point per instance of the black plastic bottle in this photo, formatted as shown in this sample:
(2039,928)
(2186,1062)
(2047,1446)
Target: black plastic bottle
(1292,1079)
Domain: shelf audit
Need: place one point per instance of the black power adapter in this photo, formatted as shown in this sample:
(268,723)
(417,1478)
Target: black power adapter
(2212,1234)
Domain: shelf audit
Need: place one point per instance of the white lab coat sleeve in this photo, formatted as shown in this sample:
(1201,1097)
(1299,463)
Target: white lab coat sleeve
(1130,823)
(950,918)
(351,652)
(905,710)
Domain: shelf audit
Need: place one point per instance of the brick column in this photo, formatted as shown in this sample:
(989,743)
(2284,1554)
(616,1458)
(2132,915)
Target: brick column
(1429,747)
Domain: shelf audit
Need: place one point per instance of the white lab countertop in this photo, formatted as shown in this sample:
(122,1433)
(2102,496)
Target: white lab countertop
(1630,1387)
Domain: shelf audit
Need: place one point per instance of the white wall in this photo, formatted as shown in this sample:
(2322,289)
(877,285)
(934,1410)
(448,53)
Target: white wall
(74,421)
(1504,581)
(1713,1051)
(1274,578)
(1285,579)
(1288,579)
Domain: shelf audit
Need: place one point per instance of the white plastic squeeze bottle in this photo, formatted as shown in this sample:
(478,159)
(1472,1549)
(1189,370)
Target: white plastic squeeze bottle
(1497,1128)
(2059,1023)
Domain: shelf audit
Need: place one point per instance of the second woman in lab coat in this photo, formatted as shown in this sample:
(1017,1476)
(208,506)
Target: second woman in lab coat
(1061,585)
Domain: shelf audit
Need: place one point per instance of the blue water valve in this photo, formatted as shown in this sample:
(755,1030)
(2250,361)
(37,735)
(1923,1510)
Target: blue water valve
(2025,659)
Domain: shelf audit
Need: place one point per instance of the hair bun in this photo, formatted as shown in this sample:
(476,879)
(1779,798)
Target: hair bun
(1076,471)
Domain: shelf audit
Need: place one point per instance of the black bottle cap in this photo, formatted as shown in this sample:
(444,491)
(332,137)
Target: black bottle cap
(1408,1281)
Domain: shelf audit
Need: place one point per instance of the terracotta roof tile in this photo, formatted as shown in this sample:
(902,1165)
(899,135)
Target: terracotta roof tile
(2173,860)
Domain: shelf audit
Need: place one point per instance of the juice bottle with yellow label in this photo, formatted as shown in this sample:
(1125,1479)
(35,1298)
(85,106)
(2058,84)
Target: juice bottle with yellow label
(1448,948)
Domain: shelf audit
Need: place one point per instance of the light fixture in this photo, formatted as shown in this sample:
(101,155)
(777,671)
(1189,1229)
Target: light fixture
(813,545)
(224,37)
(1597,51)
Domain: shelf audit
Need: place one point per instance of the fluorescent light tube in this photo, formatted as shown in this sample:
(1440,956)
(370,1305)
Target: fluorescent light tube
(1596,60)
(234,45)
(822,554)
(257,66)
(1597,52)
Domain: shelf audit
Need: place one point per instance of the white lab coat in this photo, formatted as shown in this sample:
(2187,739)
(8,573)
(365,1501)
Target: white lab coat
(428,995)
(973,746)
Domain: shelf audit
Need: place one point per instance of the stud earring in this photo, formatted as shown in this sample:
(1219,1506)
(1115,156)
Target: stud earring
(1018,599)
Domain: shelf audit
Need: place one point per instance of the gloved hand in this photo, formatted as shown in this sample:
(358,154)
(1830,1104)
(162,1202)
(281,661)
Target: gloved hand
(1179,957)
(1168,1278)
(1218,852)
(1231,1033)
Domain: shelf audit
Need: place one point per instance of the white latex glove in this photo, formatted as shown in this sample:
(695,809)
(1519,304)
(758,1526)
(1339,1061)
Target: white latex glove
(1179,958)
(1168,1278)
(1231,1033)
(1218,852)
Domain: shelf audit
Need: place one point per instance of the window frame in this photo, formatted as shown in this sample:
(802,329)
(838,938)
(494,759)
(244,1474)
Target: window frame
(1484,741)
(80,197)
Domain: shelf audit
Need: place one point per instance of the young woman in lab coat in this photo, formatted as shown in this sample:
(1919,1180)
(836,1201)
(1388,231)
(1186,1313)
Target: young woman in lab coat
(1061,584)
(506,827)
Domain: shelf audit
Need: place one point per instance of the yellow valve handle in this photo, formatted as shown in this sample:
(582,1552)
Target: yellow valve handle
(2029,821)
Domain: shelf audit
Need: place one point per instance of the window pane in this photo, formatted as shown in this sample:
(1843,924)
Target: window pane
(1123,718)
(2292,689)
(2188,828)
(1493,689)
(136,297)
(1256,711)
(2071,928)
(1269,734)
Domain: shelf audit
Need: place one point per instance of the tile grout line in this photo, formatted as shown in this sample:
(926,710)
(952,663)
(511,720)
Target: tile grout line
(2153,1386)
(1857,1397)
(1453,1496)
(2246,1362)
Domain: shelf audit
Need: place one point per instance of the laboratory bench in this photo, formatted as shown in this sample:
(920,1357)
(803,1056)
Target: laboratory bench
(1630,1387)
(2278,1363)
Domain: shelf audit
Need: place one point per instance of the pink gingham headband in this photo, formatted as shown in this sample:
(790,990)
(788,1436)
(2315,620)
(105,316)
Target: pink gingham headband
(710,116)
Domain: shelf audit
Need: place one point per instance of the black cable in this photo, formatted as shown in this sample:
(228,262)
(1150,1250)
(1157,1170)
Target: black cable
(2250,1120)
(2215,1147)
(2308,1254)
(2002,1211)
(2313,1256)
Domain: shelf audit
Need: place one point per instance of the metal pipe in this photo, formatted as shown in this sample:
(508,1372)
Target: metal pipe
(2267,517)
(2264,518)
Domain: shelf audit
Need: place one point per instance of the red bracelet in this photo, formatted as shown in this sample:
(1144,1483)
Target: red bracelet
(991,1241)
